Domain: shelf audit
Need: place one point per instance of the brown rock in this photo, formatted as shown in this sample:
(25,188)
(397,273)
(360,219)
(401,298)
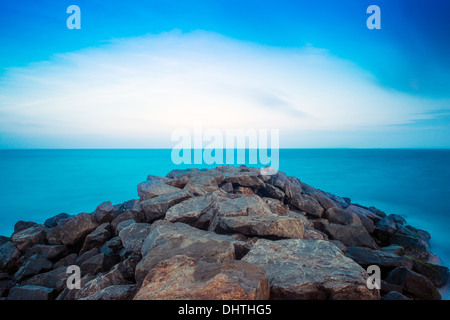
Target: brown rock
(233,280)
(154,188)
(351,235)
(29,237)
(73,230)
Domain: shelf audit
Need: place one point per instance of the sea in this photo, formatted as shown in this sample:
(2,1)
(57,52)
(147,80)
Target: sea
(415,183)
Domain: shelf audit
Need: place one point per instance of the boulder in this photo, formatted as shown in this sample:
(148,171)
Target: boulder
(97,237)
(269,225)
(4,240)
(366,257)
(367,217)
(66,261)
(191,210)
(244,179)
(202,280)
(32,266)
(102,281)
(156,207)
(113,246)
(114,292)
(350,235)
(162,230)
(240,206)
(133,237)
(322,199)
(313,234)
(71,231)
(307,204)
(206,182)
(50,252)
(341,216)
(210,250)
(275,206)
(272,192)
(54,221)
(413,284)
(127,215)
(30,293)
(8,257)
(154,188)
(307,269)
(98,263)
(394,295)
(29,237)
(438,275)
(104,212)
(55,279)
(22,225)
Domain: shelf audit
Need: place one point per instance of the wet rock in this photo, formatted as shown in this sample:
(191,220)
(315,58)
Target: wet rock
(233,280)
(413,284)
(438,275)
(306,269)
(366,257)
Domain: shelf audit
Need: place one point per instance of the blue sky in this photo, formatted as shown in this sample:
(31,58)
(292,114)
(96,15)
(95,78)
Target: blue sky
(309,68)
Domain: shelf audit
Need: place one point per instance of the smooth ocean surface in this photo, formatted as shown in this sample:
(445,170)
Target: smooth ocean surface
(415,183)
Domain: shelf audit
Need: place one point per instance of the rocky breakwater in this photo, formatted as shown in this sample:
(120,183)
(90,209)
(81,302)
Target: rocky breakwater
(223,233)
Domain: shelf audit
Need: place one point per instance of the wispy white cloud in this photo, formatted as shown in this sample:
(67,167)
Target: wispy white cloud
(135,92)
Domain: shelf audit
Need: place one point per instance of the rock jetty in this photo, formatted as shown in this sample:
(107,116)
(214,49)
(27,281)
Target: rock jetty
(223,233)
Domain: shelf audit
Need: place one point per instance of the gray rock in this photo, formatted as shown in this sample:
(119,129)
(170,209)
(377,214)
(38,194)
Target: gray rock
(104,212)
(98,263)
(66,261)
(306,269)
(97,237)
(71,231)
(50,252)
(367,217)
(29,237)
(156,207)
(55,279)
(54,221)
(133,237)
(438,275)
(275,206)
(114,292)
(22,225)
(272,226)
(240,206)
(351,235)
(30,293)
(190,211)
(32,266)
(154,188)
(8,257)
(341,216)
(307,204)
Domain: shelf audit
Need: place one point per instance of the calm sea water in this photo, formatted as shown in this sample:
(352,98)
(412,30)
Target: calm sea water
(37,184)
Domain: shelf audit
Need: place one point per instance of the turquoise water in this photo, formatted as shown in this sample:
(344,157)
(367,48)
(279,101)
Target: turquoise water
(37,184)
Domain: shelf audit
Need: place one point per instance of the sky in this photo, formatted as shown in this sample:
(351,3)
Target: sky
(137,71)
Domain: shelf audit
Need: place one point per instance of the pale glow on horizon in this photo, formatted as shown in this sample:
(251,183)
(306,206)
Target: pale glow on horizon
(136,92)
